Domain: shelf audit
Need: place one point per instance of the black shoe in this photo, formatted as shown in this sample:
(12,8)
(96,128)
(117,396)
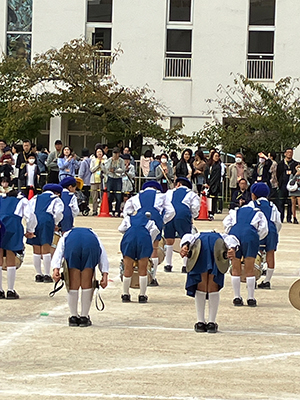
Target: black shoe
(85,321)
(200,327)
(39,278)
(183,270)
(143,299)
(153,283)
(212,327)
(251,303)
(94,214)
(48,279)
(2,294)
(125,298)
(238,302)
(296,221)
(12,295)
(168,268)
(264,285)
(289,221)
(74,321)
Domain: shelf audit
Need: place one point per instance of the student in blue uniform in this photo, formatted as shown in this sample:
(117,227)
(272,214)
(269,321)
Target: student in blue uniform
(260,192)
(83,251)
(48,208)
(151,199)
(186,204)
(13,208)
(205,280)
(71,209)
(139,233)
(249,226)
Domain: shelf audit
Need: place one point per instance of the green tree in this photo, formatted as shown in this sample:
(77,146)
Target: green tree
(253,117)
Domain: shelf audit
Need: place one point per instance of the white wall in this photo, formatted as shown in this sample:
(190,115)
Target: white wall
(56,22)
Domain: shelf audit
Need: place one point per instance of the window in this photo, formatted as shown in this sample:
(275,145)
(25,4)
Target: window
(99,11)
(262,12)
(261,42)
(178,53)
(102,37)
(175,121)
(19,28)
(180,10)
(179,42)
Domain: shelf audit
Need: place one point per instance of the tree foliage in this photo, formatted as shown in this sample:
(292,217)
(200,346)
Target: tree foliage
(76,79)
(254,117)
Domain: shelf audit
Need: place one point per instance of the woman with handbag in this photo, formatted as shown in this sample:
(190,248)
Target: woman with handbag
(293,187)
(164,173)
(213,180)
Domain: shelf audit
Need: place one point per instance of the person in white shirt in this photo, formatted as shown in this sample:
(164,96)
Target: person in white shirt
(83,251)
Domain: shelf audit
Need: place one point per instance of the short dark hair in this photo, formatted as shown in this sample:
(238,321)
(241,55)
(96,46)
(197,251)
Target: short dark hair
(243,179)
(288,148)
(58,141)
(39,147)
(26,141)
(2,140)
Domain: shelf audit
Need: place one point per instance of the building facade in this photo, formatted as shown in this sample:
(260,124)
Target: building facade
(183,49)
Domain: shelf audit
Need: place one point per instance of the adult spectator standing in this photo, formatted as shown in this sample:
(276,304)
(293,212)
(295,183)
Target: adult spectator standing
(285,169)
(199,166)
(185,167)
(164,173)
(67,163)
(2,145)
(145,161)
(85,172)
(97,169)
(22,160)
(261,171)
(127,150)
(294,192)
(15,150)
(41,158)
(237,171)
(115,168)
(128,184)
(213,174)
(53,169)
(274,181)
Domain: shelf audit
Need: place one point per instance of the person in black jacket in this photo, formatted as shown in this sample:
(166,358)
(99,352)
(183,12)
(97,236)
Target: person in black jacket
(185,167)
(285,169)
(213,180)
(261,171)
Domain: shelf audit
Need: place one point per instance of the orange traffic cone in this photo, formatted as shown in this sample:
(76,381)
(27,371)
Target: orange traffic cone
(30,193)
(203,213)
(104,209)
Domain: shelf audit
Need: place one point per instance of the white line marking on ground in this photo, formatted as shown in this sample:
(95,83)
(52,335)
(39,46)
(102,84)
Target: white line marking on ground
(275,356)
(98,395)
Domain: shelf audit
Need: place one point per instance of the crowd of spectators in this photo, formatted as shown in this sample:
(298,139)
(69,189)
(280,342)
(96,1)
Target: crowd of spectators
(28,166)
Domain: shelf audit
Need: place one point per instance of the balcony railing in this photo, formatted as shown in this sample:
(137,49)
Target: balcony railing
(178,67)
(102,64)
(260,69)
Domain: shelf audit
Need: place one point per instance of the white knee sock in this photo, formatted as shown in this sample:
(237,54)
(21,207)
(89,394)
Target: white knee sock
(269,274)
(37,263)
(184,261)
(73,302)
(143,280)
(1,287)
(250,280)
(155,265)
(200,299)
(169,254)
(126,284)
(47,263)
(236,284)
(11,277)
(86,301)
(213,303)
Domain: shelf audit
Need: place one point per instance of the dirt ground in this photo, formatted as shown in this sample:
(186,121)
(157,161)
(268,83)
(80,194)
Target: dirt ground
(150,351)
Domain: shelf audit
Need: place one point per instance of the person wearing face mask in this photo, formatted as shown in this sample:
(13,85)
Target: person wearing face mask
(261,171)
(237,171)
(30,175)
(164,173)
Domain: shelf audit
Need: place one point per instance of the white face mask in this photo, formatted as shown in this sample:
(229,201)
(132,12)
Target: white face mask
(163,160)
(261,160)
(31,161)
(238,160)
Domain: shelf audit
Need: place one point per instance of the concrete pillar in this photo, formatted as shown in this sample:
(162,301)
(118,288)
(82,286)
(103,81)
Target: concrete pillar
(55,131)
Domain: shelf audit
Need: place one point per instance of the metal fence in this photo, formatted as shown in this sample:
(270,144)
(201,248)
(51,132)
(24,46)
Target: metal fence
(259,69)
(178,67)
